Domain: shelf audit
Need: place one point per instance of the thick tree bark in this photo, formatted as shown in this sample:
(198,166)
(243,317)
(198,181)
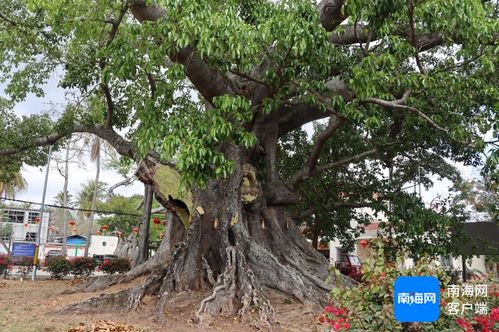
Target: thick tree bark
(239,251)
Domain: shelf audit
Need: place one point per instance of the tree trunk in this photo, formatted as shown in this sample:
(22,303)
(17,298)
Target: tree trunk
(93,205)
(315,234)
(238,250)
(144,227)
(65,203)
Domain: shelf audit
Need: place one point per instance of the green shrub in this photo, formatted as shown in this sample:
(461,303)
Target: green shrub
(5,264)
(82,266)
(59,267)
(115,265)
(25,261)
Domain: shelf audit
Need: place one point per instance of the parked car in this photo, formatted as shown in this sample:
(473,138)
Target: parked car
(350,265)
(99,259)
(51,254)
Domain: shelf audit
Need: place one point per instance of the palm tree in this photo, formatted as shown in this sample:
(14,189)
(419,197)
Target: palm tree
(16,184)
(85,196)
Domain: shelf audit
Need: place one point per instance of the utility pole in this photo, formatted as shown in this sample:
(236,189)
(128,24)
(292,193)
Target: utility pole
(39,232)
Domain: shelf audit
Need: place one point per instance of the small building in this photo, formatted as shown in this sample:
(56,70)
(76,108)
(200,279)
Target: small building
(75,245)
(477,262)
(25,224)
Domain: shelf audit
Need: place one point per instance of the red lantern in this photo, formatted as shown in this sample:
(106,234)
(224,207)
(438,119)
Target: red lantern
(156,221)
(26,225)
(72,222)
(105,227)
(364,243)
(136,230)
(97,233)
(37,220)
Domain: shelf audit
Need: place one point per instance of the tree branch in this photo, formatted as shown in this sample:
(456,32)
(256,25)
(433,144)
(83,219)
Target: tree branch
(330,12)
(294,116)
(345,161)
(398,104)
(122,146)
(102,64)
(360,33)
(209,81)
(410,14)
(334,123)
(125,182)
(332,206)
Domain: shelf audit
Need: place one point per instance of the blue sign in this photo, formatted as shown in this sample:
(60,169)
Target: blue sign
(416,299)
(23,249)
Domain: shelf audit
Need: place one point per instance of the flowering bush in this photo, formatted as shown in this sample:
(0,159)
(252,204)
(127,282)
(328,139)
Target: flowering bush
(115,265)
(82,266)
(470,321)
(59,267)
(369,306)
(337,318)
(5,264)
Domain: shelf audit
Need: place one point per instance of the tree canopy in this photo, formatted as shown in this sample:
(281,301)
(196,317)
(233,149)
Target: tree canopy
(404,76)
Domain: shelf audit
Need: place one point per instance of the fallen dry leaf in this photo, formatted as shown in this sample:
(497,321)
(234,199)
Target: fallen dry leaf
(105,326)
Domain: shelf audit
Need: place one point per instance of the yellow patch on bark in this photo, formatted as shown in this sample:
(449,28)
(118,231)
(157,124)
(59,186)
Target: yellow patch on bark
(200,210)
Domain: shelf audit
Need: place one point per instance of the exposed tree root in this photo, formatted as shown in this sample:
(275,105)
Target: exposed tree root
(162,258)
(237,281)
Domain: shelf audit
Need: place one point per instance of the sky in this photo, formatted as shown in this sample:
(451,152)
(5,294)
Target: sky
(55,99)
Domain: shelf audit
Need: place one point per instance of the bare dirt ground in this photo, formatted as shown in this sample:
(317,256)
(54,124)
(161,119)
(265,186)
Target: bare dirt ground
(27,306)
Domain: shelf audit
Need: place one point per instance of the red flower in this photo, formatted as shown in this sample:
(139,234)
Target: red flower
(346,326)
(330,309)
(464,324)
(494,314)
(336,326)
(484,322)
(321,319)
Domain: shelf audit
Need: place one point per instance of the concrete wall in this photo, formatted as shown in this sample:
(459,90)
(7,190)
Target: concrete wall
(102,244)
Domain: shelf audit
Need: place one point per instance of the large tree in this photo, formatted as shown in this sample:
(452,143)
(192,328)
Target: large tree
(211,86)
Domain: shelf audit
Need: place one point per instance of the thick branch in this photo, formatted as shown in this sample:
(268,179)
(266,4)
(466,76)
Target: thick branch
(330,12)
(308,169)
(40,141)
(209,81)
(360,33)
(291,117)
(122,146)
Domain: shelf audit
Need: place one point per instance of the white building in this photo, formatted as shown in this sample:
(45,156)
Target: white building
(372,231)
(25,224)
